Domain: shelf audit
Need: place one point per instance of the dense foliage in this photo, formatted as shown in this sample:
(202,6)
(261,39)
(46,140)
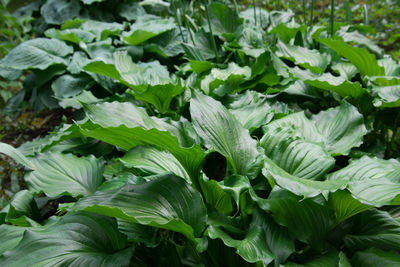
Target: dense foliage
(203,134)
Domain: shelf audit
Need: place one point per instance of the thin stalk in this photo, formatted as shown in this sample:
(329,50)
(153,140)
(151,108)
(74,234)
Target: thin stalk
(211,32)
(177,19)
(304,11)
(366,20)
(348,12)
(236,7)
(312,12)
(191,36)
(255,13)
(332,19)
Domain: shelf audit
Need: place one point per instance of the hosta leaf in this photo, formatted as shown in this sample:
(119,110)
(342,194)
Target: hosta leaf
(76,239)
(264,242)
(224,81)
(16,155)
(144,29)
(300,186)
(307,220)
(390,65)
(358,38)
(387,96)
(328,82)
(167,202)
(345,69)
(235,185)
(376,192)
(202,48)
(10,237)
(305,128)
(298,157)
(21,207)
(150,81)
(343,128)
(344,205)
(127,126)
(364,61)
(374,257)
(59,11)
(102,30)
(38,53)
(131,10)
(329,259)
(251,109)
(374,228)
(371,180)
(224,20)
(70,85)
(366,168)
(153,161)
(214,195)
(310,59)
(57,174)
(71,35)
(221,131)
(168,44)
(137,232)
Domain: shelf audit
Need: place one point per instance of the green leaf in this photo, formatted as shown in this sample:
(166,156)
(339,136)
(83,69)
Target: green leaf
(374,228)
(305,128)
(307,220)
(127,126)
(221,131)
(387,96)
(343,128)
(10,237)
(225,81)
(296,156)
(366,168)
(224,20)
(372,181)
(38,53)
(70,85)
(21,209)
(58,174)
(130,10)
(144,29)
(331,258)
(345,69)
(76,239)
(152,161)
(70,35)
(214,195)
(59,11)
(299,186)
(16,155)
(364,61)
(340,85)
(304,57)
(376,257)
(167,202)
(251,109)
(264,242)
(168,44)
(345,206)
(150,82)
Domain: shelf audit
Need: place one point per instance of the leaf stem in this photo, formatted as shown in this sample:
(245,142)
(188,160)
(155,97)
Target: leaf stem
(312,12)
(211,32)
(332,20)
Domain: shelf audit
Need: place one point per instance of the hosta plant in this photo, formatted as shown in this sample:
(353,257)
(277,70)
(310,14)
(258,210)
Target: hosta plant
(204,134)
